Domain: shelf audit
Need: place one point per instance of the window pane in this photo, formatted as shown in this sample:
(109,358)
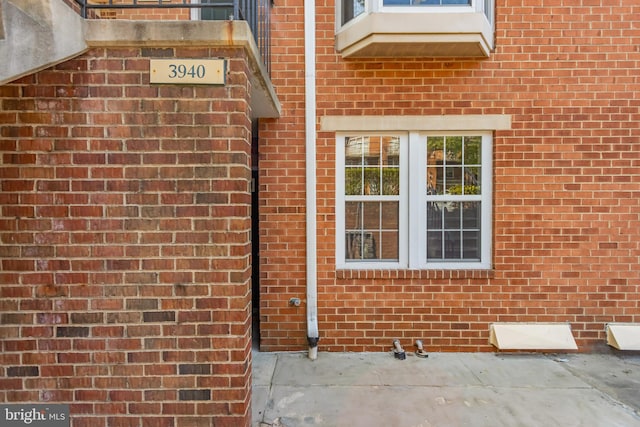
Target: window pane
(391,151)
(435,161)
(472,151)
(389,245)
(396,3)
(434,245)
(371,215)
(360,245)
(471,215)
(452,245)
(220,13)
(452,215)
(488,7)
(353,149)
(453,148)
(371,171)
(353,181)
(434,180)
(351,9)
(426,2)
(378,158)
(453,231)
(371,151)
(453,180)
(471,245)
(435,145)
(372,230)
(454,167)
(390,215)
(372,181)
(391,181)
(434,216)
(472,180)
(352,215)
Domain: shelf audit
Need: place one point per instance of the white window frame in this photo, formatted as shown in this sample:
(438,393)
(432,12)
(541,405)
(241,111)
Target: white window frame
(373,6)
(402,205)
(378,6)
(418,214)
(413,202)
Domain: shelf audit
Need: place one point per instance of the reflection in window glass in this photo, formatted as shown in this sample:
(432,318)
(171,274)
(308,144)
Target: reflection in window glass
(372,166)
(427,2)
(441,219)
(371,231)
(351,9)
(453,165)
(453,176)
(220,13)
(453,231)
(372,187)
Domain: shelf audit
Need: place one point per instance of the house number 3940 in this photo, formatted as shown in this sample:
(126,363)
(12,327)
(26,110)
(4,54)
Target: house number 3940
(180,71)
(187,71)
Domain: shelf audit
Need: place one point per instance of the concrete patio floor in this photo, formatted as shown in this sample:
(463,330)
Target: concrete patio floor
(446,389)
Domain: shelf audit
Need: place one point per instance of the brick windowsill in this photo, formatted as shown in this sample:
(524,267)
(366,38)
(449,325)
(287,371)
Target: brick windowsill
(346,274)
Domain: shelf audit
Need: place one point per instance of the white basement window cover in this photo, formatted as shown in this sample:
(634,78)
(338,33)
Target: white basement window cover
(532,336)
(623,336)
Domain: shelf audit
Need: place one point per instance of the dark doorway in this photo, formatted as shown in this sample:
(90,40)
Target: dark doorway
(255,238)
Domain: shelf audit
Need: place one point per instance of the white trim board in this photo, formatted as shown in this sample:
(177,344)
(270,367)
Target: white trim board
(471,122)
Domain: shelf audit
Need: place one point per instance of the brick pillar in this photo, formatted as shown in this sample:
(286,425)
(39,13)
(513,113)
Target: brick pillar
(125,242)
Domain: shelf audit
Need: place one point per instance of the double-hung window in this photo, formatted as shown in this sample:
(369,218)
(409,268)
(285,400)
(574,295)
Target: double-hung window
(372,198)
(417,200)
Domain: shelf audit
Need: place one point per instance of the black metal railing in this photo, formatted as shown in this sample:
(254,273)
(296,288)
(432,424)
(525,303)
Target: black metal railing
(257,13)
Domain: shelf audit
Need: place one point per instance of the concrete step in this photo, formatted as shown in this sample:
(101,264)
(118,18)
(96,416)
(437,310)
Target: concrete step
(36,34)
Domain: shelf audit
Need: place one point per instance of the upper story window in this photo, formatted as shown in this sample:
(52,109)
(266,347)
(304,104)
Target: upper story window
(351,9)
(426,2)
(370,28)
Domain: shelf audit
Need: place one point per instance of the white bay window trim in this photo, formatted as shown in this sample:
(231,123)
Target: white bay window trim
(371,29)
(373,6)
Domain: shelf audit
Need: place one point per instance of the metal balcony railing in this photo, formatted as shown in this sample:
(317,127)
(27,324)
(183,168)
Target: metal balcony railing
(257,13)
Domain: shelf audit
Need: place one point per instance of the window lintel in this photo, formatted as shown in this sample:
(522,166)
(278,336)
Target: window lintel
(477,122)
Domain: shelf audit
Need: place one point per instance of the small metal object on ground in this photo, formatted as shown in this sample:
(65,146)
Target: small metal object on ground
(420,351)
(398,352)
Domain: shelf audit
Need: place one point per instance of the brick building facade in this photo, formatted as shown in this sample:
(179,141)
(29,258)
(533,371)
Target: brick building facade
(126,223)
(126,226)
(565,182)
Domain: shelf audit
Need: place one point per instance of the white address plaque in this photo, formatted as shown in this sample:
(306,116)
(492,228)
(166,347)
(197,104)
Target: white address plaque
(187,71)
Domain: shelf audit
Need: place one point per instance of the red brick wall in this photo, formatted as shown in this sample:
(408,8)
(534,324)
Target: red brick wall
(125,242)
(566,182)
(282,188)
